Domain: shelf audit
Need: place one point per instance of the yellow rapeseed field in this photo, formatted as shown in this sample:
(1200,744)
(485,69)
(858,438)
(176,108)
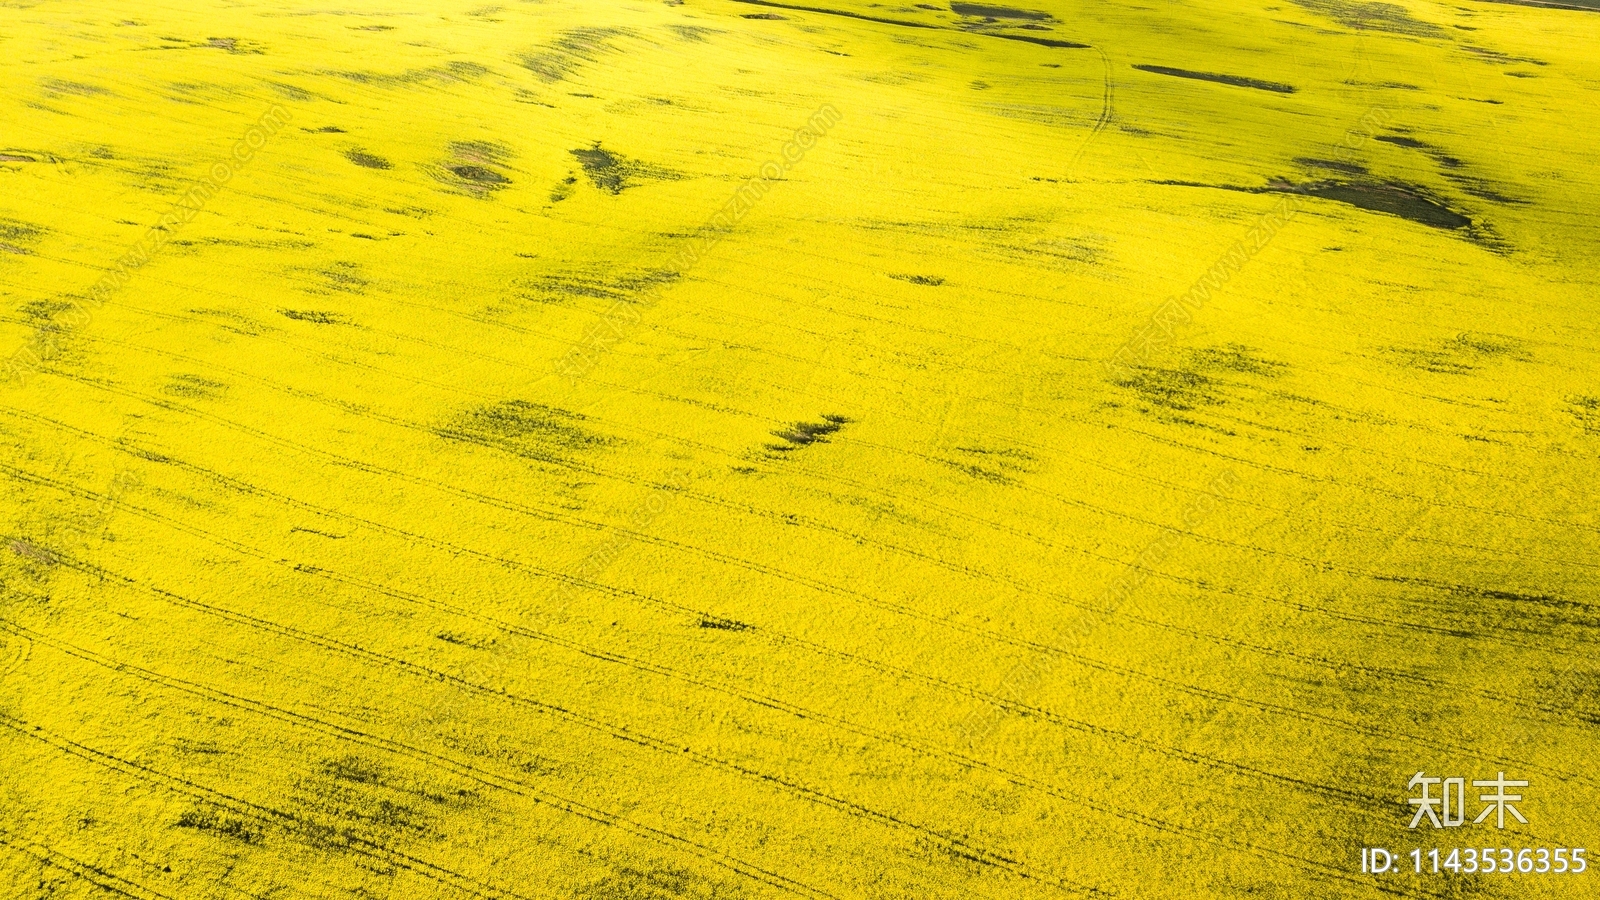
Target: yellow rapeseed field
(729,449)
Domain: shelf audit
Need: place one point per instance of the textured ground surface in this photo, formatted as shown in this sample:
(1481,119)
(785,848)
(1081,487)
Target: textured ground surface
(452,507)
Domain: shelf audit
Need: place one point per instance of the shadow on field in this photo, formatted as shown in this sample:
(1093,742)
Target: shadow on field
(1235,80)
(1409,202)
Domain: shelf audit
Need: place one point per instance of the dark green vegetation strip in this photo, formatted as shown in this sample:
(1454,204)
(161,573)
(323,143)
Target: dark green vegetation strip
(367,160)
(803,434)
(1236,80)
(1387,197)
(839,12)
(1392,199)
(1575,5)
(1366,15)
(1043,42)
(984,10)
(603,169)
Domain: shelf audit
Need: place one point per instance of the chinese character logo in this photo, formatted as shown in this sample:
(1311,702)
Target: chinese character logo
(1449,808)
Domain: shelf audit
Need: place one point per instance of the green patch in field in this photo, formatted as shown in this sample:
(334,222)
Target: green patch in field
(982,473)
(1491,345)
(314,316)
(453,72)
(997,465)
(16,236)
(359,800)
(194,387)
(1587,411)
(1208,377)
(482,152)
(529,430)
(476,175)
(211,822)
(563,188)
(43,311)
(1236,358)
(1366,15)
(569,286)
(1176,389)
(473,168)
(367,160)
(1407,202)
(656,883)
(355,769)
(606,170)
(804,434)
(1499,58)
(723,625)
(614,173)
(1461,355)
(234,45)
(993,11)
(1471,609)
(1574,5)
(694,34)
(1427,360)
(56,87)
(1577,691)
(389,815)
(1401,141)
(1006,457)
(466,640)
(341,277)
(571,49)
